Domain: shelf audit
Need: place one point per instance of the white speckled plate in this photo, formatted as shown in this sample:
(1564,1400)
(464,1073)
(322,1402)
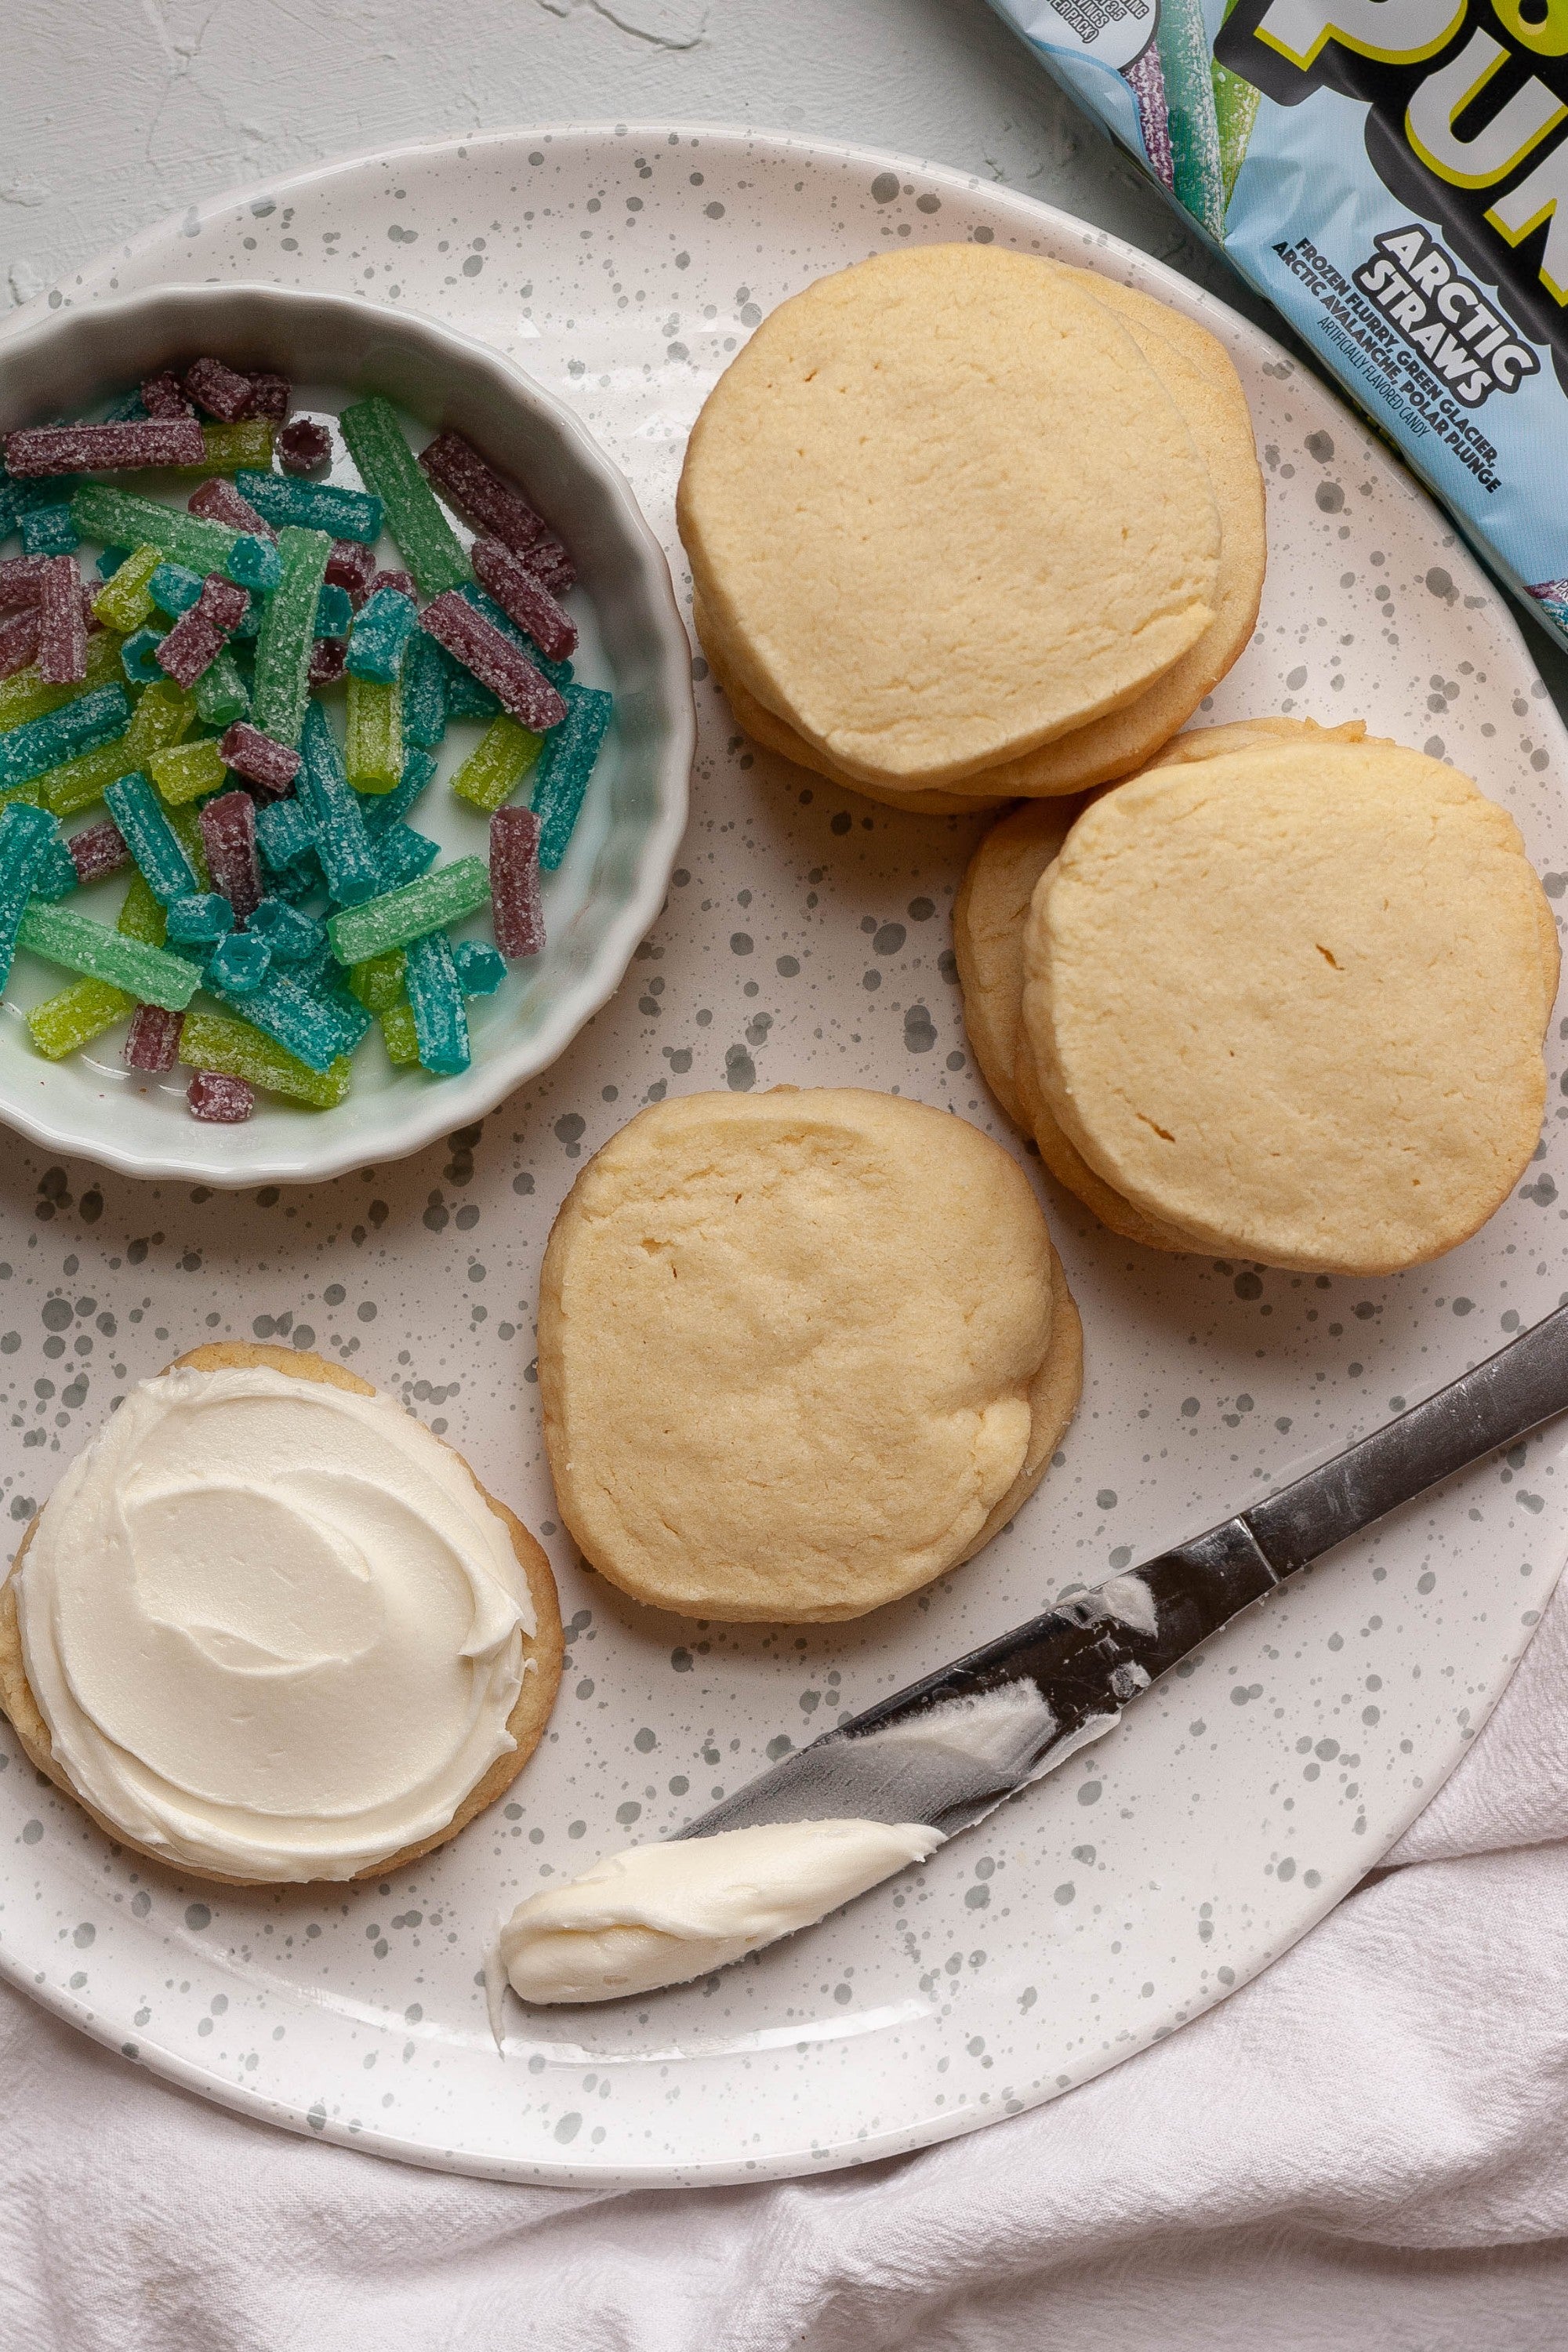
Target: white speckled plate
(806,939)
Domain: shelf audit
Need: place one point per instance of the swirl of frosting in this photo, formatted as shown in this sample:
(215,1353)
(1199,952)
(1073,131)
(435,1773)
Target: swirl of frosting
(274,1627)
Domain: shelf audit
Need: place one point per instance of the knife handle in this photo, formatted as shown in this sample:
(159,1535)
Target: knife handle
(1511,1393)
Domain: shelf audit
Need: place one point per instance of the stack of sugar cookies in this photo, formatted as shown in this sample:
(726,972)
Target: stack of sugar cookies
(1279,997)
(968,526)
(799,1352)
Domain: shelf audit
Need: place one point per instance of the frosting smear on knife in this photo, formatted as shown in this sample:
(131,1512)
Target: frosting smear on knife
(660,1914)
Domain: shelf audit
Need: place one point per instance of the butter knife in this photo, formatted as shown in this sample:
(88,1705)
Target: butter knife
(952,1747)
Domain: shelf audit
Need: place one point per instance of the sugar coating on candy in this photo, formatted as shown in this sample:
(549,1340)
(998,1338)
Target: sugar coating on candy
(283,646)
(292,937)
(524,595)
(352,567)
(50,530)
(238,964)
(56,875)
(97,850)
(374,744)
(221,390)
(38,744)
(153,1042)
(402,854)
(554,566)
(259,758)
(422,681)
(478,493)
(163,717)
(429,904)
(199,920)
(304,447)
(160,856)
(271,395)
(256,563)
(385,810)
(440,1022)
(342,844)
(497,765)
(19,579)
(126,600)
(327,661)
(495,661)
(108,562)
(480,970)
(216,1098)
(517,908)
(103,513)
(103,448)
(334,612)
(466,697)
(150,974)
(221,502)
(217,1041)
(164,396)
(400,1035)
(186,772)
(284,832)
(221,694)
(173,587)
(565,765)
(26,697)
(26,835)
(314,506)
(231,448)
(139,657)
(402,583)
(191,646)
(62,1025)
(19,641)
(316,1029)
(228,830)
(381,629)
(378,982)
(559,672)
(62,631)
(425,540)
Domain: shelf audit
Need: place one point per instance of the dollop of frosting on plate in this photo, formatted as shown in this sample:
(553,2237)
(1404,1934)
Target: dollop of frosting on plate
(274,1627)
(660,1915)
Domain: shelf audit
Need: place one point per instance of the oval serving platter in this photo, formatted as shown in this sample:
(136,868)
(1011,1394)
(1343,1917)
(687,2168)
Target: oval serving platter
(806,939)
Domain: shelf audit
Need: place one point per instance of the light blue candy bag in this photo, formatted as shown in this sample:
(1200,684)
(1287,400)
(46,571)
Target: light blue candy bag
(1392,175)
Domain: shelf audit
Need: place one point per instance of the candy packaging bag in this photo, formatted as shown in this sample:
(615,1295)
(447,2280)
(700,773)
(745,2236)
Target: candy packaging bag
(1392,175)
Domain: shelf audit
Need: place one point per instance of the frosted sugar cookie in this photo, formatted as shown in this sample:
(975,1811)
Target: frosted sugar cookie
(906,540)
(1290,1002)
(799,1352)
(269,1629)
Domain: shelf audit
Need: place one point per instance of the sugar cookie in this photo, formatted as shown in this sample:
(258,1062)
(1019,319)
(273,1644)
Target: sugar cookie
(391,1648)
(1290,1002)
(906,540)
(799,1352)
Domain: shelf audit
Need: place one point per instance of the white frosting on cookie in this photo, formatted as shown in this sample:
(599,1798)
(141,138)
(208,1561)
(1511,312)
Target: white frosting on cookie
(660,1915)
(274,1627)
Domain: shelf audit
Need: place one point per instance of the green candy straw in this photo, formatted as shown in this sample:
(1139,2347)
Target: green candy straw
(379,447)
(1187,62)
(282,684)
(150,974)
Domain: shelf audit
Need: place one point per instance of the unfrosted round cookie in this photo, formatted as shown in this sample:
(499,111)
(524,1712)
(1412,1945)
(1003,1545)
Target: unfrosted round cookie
(799,1352)
(988,918)
(1290,1002)
(274,1645)
(1197,370)
(904,538)
(776,735)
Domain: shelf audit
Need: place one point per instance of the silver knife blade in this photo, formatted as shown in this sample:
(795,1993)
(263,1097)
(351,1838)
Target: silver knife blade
(947,1751)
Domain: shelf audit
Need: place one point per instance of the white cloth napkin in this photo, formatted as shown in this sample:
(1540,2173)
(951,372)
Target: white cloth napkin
(1368,2147)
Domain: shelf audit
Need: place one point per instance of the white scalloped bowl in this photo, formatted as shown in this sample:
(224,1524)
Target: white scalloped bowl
(617,871)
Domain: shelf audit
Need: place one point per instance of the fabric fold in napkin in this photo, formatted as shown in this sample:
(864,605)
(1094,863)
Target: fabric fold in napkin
(1368,2146)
